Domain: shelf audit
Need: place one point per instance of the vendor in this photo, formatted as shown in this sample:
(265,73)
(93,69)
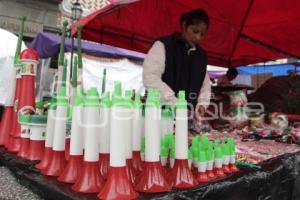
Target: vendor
(177,62)
(226,79)
(292,72)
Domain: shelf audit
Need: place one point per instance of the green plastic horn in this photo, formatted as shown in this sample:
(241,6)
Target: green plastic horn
(20,38)
(62,43)
(103,81)
(118,88)
(79,49)
(64,76)
(74,72)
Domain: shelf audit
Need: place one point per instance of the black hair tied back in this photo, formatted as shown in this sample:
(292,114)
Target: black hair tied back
(184,18)
(194,17)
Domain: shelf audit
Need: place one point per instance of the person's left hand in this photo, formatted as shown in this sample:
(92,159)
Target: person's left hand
(201,111)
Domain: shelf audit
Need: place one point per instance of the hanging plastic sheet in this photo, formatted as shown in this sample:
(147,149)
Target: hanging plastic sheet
(130,74)
(8,42)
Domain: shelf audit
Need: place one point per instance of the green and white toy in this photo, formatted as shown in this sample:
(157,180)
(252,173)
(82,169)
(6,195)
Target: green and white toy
(181,131)
(76,143)
(104,130)
(91,116)
(167,120)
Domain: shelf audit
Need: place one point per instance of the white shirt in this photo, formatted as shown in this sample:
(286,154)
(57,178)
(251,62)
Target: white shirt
(154,67)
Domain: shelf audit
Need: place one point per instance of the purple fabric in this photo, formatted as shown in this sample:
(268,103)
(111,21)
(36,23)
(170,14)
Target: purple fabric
(48,44)
(215,74)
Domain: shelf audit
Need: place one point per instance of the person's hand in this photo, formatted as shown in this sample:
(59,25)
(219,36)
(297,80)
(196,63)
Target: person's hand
(201,111)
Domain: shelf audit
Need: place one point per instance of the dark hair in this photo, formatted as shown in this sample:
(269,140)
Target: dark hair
(232,71)
(194,17)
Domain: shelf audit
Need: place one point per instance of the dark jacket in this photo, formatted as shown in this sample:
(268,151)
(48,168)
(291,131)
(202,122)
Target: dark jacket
(185,69)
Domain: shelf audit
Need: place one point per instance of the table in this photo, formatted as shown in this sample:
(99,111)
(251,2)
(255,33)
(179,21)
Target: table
(230,88)
(279,179)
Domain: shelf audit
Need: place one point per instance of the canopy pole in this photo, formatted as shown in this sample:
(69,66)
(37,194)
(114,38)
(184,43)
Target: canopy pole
(258,42)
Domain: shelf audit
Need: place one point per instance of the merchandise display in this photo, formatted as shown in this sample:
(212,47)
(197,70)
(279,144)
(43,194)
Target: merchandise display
(122,145)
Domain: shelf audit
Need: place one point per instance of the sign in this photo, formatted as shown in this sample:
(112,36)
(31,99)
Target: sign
(12,25)
(28,69)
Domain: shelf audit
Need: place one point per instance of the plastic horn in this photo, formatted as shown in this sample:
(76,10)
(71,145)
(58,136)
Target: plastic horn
(74,72)
(64,76)
(20,38)
(62,43)
(79,49)
(103,81)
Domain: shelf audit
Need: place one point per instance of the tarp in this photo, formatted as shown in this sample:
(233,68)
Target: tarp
(48,44)
(129,73)
(276,70)
(240,32)
(278,179)
(279,94)
(8,43)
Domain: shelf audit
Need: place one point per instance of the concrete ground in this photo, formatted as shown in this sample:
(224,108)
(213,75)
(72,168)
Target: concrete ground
(10,189)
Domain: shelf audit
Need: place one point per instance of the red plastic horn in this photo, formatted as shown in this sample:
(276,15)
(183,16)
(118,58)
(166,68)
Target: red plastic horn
(49,136)
(37,136)
(13,124)
(26,99)
(104,164)
(117,177)
(152,179)
(58,160)
(75,160)
(72,169)
(118,185)
(14,143)
(181,176)
(47,156)
(25,135)
(137,162)
(6,125)
(90,180)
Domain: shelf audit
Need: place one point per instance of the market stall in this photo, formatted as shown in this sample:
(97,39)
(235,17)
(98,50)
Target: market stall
(107,141)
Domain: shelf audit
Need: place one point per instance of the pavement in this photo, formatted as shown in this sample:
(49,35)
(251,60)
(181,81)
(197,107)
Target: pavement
(11,189)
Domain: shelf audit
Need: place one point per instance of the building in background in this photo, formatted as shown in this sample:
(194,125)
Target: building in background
(41,15)
(87,6)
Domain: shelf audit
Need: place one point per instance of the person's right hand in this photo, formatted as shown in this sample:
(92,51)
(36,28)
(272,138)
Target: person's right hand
(199,113)
(201,110)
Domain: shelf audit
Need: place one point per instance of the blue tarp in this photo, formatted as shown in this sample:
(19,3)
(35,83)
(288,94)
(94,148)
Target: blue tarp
(48,44)
(276,70)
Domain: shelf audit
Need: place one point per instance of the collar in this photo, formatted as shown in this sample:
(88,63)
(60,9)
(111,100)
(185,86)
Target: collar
(177,36)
